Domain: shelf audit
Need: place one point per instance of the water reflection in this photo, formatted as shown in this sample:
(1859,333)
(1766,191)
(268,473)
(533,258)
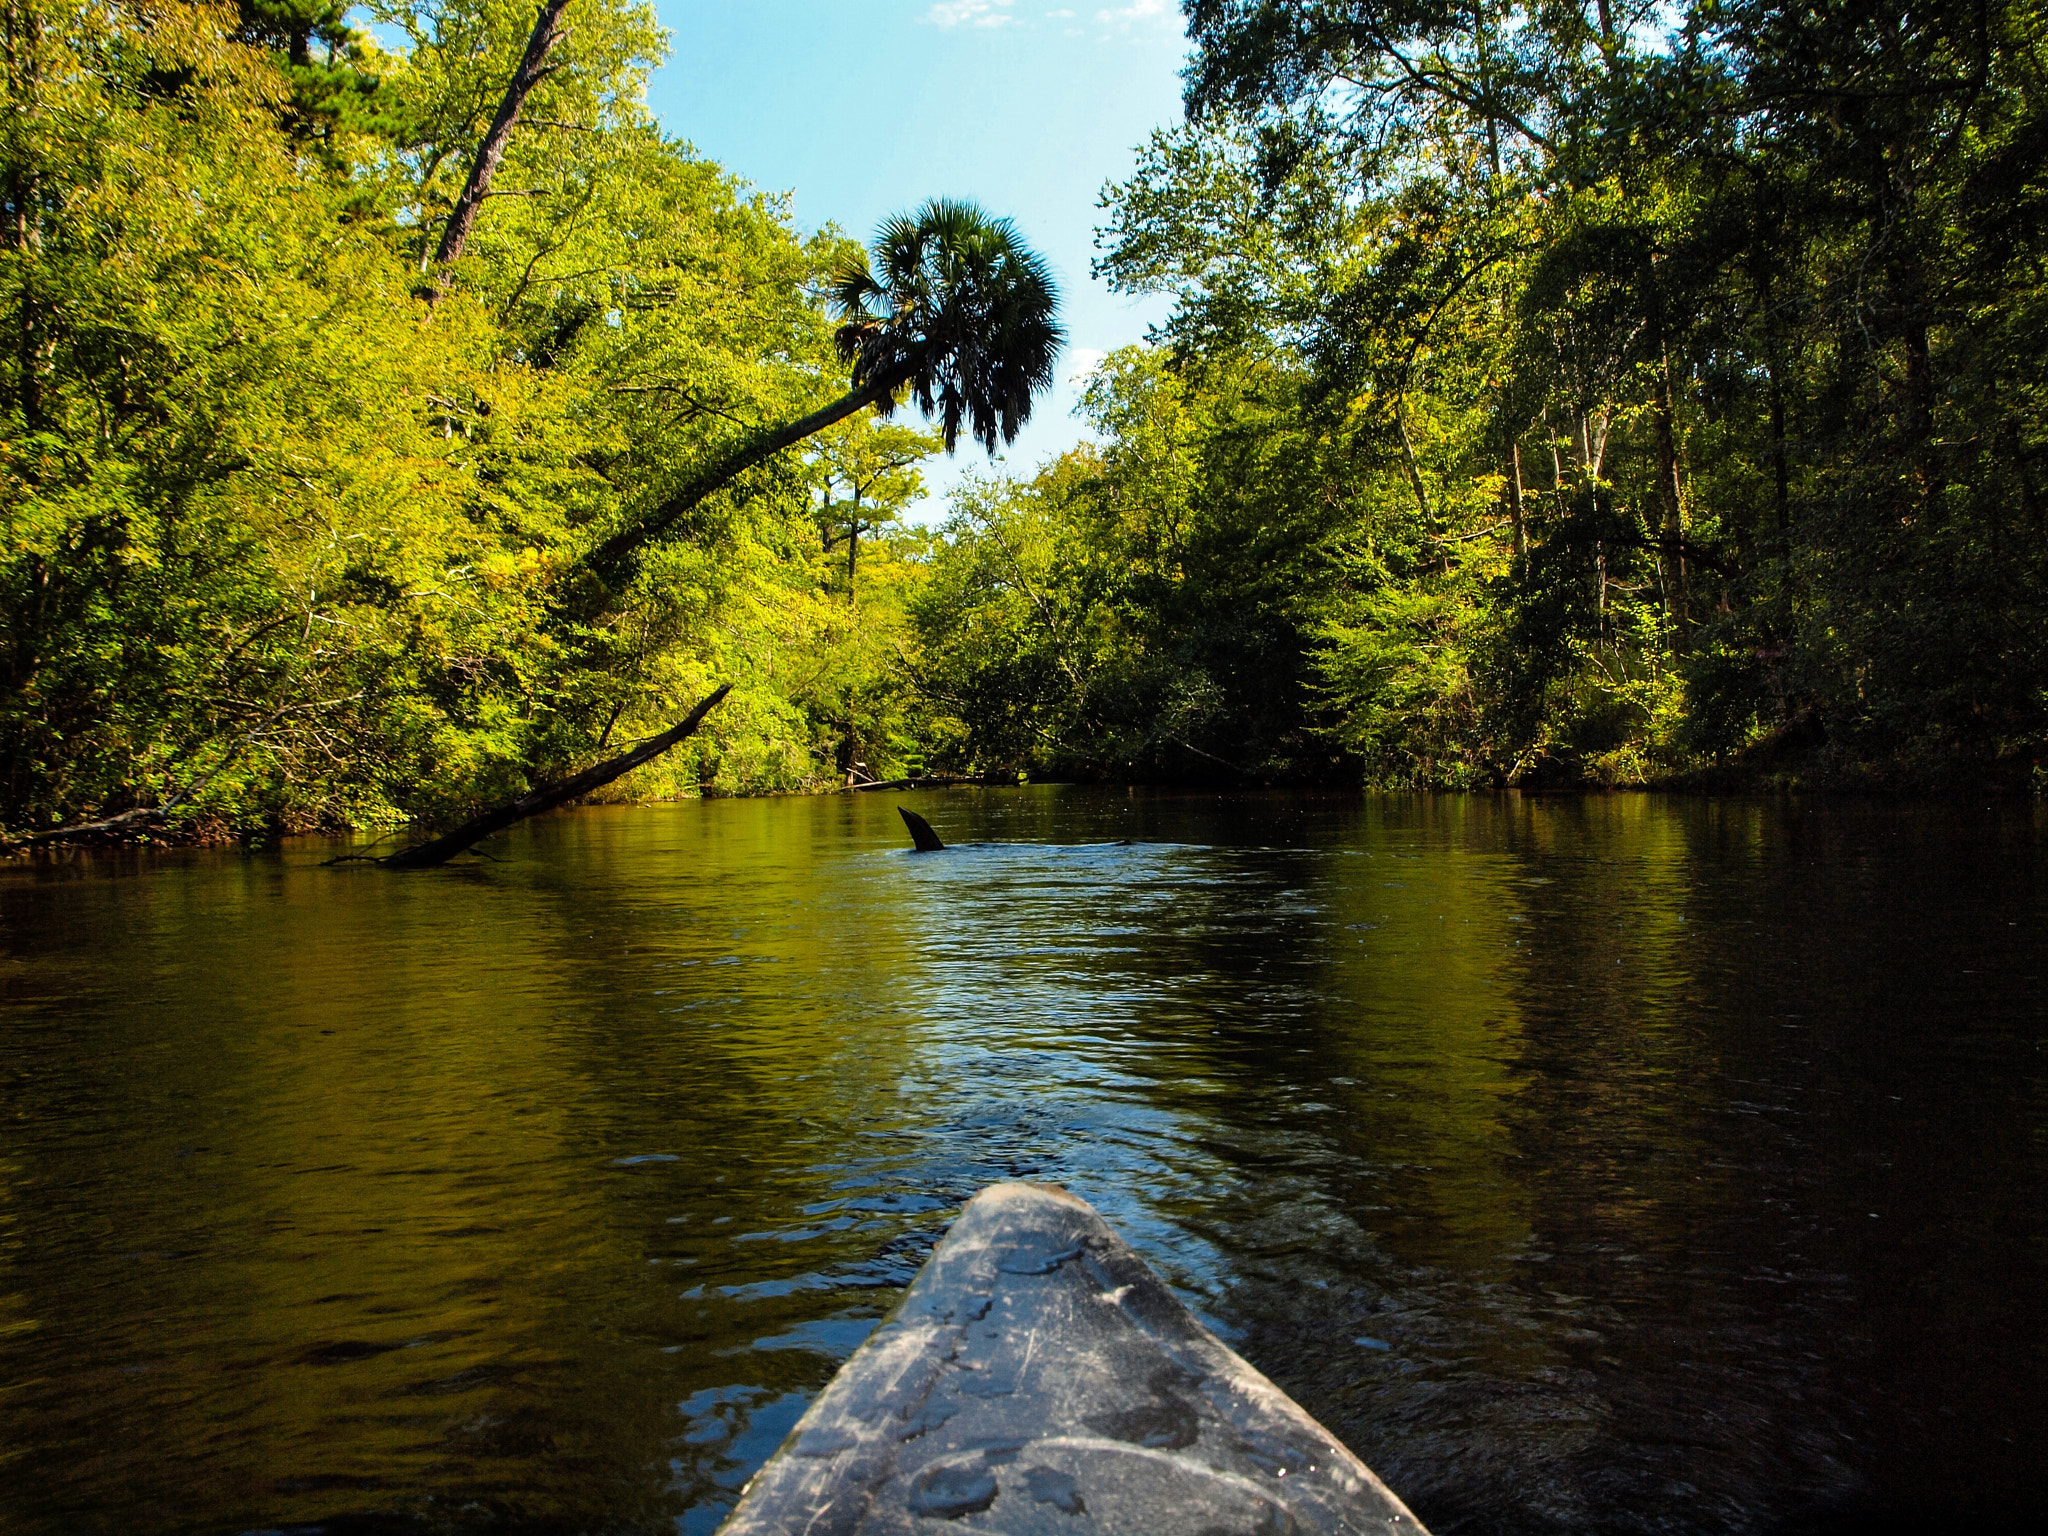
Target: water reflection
(1616,1164)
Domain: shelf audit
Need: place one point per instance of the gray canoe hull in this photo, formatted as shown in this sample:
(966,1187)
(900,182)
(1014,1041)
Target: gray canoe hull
(1038,1377)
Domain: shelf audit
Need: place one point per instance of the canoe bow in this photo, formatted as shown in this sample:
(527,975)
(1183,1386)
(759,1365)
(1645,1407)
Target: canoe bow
(1039,1377)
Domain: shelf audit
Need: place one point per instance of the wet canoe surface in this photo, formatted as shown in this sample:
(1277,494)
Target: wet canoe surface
(1039,1377)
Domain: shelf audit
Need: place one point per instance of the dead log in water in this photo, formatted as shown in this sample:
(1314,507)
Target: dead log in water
(143,818)
(921,832)
(922,781)
(442,849)
(110,829)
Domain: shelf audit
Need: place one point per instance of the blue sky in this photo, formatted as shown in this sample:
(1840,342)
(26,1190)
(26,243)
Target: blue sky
(862,108)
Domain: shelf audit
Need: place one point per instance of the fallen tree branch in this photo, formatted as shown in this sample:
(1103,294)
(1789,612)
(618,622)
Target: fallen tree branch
(1466,538)
(917,781)
(432,854)
(1681,546)
(107,829)
(117,828)
(1191,747)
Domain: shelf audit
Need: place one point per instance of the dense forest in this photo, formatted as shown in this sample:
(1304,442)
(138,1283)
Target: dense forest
(1558,394)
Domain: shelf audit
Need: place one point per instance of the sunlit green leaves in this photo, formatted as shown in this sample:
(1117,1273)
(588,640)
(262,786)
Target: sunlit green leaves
(279,537)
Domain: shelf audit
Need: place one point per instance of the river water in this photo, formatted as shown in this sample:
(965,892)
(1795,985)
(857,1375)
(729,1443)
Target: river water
(1616,1164)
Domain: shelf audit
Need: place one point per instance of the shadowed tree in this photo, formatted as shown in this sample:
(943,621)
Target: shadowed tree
(950,307)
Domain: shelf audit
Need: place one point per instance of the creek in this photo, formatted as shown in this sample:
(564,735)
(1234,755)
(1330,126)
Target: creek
(1617,1164)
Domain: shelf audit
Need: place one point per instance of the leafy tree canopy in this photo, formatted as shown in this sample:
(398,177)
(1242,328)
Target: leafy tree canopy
(1555,393)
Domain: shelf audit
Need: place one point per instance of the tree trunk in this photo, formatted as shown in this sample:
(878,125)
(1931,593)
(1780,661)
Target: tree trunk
(29,350)
(1931,480)
(1610,48)
(850,748)
(1521,533)
(1486,94)
(1671,563)
(1600,572)
(533,68)
(852,545)
(1778,466)
(1414,470)
(1919,383)
(618,555)
(2029,498)
(119,828)
(23,232)
(1591,446)
(433,854)
(108,829)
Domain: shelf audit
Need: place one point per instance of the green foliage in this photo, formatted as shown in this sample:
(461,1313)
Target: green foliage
(956,306)
(1548,399)
(1554,398)
(1140,610)
(283,546)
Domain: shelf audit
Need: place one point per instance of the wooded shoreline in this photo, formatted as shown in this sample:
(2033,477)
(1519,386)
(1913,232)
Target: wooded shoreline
(1711,787)
(390,429)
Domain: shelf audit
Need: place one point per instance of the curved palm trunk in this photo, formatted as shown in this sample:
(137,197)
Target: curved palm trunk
(614,561)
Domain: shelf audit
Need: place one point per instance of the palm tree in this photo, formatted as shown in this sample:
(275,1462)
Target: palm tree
(951,306)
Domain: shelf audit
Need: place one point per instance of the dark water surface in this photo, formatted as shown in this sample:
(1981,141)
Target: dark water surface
(1589,1165)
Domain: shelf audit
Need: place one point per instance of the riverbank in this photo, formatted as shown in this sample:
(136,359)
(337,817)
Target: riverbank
(1765,775)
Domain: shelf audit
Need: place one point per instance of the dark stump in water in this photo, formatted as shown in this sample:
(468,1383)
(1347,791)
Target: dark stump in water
(921,832)
(1038,1377)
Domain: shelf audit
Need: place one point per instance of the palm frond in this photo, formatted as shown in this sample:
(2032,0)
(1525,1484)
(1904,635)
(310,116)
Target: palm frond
(952,303)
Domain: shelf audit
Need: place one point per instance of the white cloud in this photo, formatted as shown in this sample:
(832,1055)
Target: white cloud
(970,13)
(1082,361)
(1136,11)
